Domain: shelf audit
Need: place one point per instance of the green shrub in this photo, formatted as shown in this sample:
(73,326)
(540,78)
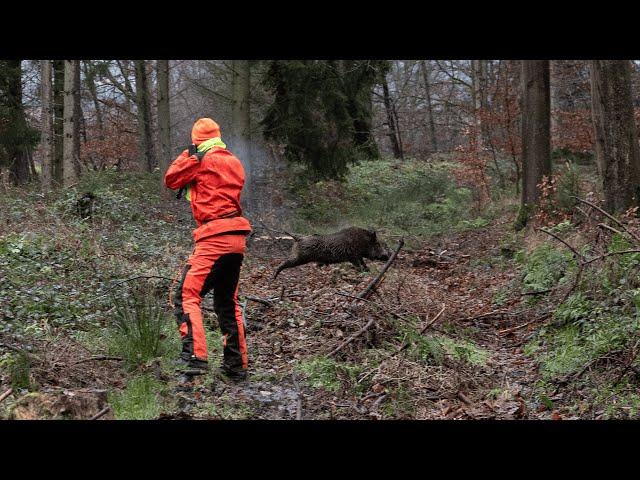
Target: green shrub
(570,347)
(574,309)
(431,349)
(139,327)
(139,400)
(18,368)
(327,373)
(464,351)
(408,198)
(422,348)
(568,187)
(545,267)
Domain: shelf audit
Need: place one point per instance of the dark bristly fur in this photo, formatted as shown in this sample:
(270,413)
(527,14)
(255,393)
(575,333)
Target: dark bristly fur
(351,244)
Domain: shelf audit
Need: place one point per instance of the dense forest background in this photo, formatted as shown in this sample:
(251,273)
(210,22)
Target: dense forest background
(513,184)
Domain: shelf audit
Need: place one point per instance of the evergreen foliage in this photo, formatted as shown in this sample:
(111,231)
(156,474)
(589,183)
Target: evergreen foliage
(322,112)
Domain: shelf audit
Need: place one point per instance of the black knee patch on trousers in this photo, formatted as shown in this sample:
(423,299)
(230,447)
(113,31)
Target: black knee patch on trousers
(223,279)
(181,317)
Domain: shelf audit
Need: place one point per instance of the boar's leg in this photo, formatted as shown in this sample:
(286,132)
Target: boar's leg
(288,264)
(359,264)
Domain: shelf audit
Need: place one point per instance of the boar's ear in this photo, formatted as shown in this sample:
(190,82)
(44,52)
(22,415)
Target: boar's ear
(372,232)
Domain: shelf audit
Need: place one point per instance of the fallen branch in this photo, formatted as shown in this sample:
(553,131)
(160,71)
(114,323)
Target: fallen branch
(98,358)
(263,301)
(575,252)
(610,228)
(513,329)
(397,315)
(488,314)
(610,217)
(6,394)
(621,252)
(464,398)
(374,283)
(352,338)
(101,413)
(576,375)
(378,401)
(299,398)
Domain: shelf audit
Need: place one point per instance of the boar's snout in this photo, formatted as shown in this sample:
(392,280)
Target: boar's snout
(380,251)
(385,255)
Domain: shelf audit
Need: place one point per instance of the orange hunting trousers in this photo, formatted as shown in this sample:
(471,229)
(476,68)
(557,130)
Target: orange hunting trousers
(214,265)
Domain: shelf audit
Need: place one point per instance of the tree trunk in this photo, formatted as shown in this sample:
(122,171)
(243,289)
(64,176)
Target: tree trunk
(427,91)
(77,117)
(164,121)
(89,79)
(70,130)
(554,92)
(58,120)
(478,94)
(125,69)
(355,73)
(241,121)
(146,146)
(393,133)
(536,146)
(47,124)
(617,153)
(17,152)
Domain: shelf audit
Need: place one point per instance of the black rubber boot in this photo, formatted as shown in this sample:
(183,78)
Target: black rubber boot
(192,365)
(233,375)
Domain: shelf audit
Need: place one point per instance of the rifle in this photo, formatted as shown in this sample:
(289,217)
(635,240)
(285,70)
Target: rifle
(193,150)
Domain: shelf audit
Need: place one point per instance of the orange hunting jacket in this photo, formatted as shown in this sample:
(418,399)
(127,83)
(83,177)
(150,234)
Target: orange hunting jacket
(215,184)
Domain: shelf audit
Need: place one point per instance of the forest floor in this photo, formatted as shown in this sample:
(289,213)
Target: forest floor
(482,372)
(447,334)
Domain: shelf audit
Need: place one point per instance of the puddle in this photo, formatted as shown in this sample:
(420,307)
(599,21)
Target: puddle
(280,399)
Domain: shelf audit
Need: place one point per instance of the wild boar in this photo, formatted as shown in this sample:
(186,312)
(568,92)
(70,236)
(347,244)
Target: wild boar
(351,244)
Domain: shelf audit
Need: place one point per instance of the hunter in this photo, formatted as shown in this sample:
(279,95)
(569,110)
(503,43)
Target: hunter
(213,179)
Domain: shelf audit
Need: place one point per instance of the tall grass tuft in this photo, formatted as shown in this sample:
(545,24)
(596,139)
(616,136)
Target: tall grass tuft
(139,326)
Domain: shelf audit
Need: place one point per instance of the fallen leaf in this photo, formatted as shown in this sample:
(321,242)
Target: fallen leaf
(378,388)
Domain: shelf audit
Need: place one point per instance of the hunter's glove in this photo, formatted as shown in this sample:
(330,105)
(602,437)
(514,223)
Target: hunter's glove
(193,150)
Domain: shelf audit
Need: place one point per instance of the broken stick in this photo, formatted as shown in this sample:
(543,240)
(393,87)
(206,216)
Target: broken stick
(6,394)
(101,413)
(352,338)
(298,399)
(374,283)
(610,217)
(99,358)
